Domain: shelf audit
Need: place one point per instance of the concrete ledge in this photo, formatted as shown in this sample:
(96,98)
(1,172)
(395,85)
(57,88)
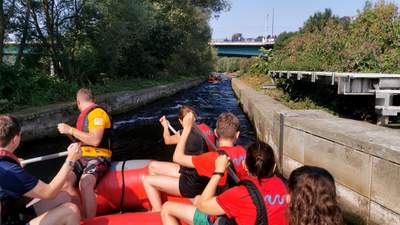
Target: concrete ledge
(385,184)
(264,112)
(363,158)
(41,122)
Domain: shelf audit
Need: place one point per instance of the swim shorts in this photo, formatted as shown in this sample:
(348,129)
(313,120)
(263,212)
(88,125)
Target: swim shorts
(201,218)
(97,166)
(190,183)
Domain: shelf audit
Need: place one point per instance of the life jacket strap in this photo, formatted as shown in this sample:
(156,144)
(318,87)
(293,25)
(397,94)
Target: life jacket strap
(231,169)
(258,201)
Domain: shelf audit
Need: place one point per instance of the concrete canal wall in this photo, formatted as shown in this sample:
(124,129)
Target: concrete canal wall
(42,122)
(363,158)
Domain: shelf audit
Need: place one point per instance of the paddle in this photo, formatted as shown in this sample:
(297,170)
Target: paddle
(62,154)
(47,157)
(44,158)
(172,128)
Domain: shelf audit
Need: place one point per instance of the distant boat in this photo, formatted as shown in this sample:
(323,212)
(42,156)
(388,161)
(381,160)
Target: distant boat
(214,78)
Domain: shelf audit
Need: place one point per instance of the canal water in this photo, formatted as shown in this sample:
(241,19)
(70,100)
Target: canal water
(138,134)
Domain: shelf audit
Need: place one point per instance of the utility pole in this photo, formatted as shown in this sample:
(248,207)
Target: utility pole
(273,17)
(266,26)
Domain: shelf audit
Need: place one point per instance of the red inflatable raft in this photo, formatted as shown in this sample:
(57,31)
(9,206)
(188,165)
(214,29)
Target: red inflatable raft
(121,190)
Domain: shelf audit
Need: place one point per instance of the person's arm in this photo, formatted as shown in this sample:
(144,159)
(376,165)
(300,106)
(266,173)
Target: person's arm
(93,137)
(168,138)
(49,191)
(179,154)
(207,202)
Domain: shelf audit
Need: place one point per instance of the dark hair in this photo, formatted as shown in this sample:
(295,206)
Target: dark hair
(9,128)
(86,94)
(313,197)
(185,110)
(260,160)
(227,125)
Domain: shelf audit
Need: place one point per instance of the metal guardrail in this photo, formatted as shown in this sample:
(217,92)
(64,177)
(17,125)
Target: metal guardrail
(241,43)
(383,85)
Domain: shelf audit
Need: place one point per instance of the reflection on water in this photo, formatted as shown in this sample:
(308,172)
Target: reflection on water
(138,134)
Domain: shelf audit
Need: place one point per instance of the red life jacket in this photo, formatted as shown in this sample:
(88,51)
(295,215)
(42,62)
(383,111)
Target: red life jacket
(83,115)
(82,124)
(209,134)
(9,155)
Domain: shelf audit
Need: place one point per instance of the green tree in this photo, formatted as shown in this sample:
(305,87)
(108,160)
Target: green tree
(7,8)
(318,21)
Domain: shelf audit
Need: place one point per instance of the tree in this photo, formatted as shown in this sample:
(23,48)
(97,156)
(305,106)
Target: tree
(22,28)
(7,8)
(237,37)
(259,38)
(318,21)
(282,39)
(58,26)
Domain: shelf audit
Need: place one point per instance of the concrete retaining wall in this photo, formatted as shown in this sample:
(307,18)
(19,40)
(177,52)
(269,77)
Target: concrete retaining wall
(42,121)
(363,158)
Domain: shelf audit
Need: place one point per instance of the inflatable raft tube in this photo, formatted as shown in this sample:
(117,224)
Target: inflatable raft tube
(121,198)
(137,218)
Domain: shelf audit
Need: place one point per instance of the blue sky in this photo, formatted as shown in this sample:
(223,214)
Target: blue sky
(249,16)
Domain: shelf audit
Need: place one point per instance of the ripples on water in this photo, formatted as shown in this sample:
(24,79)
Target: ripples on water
(138,134)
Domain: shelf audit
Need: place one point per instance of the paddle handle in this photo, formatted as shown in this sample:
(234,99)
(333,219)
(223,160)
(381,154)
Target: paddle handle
(45,157)
(172,128)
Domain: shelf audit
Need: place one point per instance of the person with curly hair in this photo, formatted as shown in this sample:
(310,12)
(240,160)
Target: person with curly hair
(312,198)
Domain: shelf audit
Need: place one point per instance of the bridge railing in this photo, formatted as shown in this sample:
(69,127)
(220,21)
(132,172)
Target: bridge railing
(269,41)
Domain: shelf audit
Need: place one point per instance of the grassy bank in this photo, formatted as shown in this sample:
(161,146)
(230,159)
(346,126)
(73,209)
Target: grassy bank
(257,81)
(57,92)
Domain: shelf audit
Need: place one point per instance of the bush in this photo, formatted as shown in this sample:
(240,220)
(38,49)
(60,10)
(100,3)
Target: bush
(31,87)
(235,64)
(369,43)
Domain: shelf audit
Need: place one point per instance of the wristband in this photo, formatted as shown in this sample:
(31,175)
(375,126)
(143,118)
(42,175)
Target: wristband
(72,131)
(219,173)
(70,163)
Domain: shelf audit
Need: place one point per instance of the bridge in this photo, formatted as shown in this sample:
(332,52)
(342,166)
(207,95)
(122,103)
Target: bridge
(241,48)
(10,51)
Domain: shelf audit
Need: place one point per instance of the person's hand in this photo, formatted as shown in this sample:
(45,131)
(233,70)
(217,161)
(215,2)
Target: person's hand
(196,199)
(64,128)
(221,163)
(188,120)
(164,122)
(74,151)
(20,161)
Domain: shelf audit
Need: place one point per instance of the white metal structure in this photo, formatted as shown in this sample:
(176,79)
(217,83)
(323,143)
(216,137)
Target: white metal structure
(243,43)
(383,86)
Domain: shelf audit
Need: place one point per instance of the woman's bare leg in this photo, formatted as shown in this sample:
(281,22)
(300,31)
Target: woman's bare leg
(164,168)
(153,185)
(45,205)
(69,187)
(65,214)
(173,212)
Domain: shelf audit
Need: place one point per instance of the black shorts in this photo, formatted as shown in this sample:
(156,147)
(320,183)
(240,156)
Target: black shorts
(16,214)
(190,183)
(97,166)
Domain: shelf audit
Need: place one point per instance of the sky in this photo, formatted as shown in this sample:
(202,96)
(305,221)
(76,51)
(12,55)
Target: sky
(249,16)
